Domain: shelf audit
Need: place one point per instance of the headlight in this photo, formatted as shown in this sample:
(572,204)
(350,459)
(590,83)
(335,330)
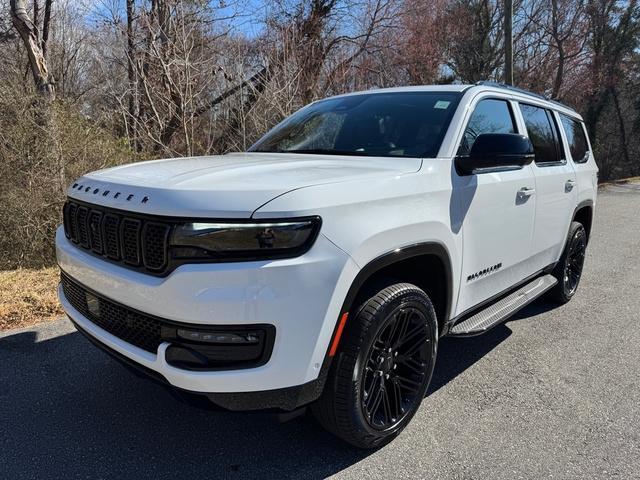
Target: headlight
(251,240)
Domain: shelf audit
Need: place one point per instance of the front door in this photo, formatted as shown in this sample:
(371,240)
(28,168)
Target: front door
(496,213)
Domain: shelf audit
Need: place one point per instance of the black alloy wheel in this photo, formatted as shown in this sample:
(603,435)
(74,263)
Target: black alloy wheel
(395,369)
(575,261)
(568,271)
(383,367)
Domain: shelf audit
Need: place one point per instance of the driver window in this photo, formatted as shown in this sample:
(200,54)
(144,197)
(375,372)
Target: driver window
(490,116)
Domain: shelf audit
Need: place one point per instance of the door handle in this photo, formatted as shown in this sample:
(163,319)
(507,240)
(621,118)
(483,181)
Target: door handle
(568,186)
(526,191)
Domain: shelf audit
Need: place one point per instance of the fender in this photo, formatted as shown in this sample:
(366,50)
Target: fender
(585,203)
(397,255)
(374,266)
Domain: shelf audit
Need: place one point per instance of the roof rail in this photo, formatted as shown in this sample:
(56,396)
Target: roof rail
(490,83)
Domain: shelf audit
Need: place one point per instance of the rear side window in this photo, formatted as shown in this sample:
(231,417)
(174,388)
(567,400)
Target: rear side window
(576,138)
(489,116)
(543,133)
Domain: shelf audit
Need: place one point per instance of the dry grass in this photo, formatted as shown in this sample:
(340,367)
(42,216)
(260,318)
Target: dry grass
(28,297)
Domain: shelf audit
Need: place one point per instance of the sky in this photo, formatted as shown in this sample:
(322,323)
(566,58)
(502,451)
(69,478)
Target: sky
(244,15)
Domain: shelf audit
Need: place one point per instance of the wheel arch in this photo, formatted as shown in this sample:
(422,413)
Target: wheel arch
(406,265)
(584,214)
(380,266)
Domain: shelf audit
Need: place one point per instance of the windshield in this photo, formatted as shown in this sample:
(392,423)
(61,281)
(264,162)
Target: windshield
(400,124)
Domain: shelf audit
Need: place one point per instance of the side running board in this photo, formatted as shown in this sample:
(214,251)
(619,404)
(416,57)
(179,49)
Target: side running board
(502,309)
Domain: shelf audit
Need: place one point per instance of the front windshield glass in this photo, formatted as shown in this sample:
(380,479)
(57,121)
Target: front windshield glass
(400,124)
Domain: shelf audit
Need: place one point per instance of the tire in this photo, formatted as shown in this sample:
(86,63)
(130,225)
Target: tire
(383,368)
(568,270)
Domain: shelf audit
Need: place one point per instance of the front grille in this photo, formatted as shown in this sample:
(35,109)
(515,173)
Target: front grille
(148,332)
(133,327)
(135,241)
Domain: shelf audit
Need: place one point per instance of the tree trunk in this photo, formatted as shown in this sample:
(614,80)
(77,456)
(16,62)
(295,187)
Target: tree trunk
(37,61)
(133,87)
(623,130)
(557,82)
(508,42)
(45,26)
(46,114)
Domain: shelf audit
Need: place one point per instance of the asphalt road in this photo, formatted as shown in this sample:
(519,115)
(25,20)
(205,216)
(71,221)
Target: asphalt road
(553,393)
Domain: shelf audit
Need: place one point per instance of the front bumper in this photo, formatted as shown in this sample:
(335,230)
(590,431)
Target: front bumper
(300,297)
(286,399)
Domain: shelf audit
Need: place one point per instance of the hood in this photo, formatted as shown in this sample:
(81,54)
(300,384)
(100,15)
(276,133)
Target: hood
(224,186)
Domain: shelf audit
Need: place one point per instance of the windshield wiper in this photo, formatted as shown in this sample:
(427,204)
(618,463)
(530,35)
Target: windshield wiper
(327,151)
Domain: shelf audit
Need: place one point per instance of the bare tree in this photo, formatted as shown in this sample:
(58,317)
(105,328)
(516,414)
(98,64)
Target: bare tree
(476,46)
(560,34)
(34,45)
(323,40)
(425,29)
(613,35)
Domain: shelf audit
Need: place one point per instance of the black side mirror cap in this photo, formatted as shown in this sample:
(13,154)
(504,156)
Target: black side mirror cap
(496,150)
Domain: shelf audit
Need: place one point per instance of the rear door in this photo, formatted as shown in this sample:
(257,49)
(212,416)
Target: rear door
(555,184)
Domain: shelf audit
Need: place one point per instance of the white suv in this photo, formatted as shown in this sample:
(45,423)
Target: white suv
(322,266)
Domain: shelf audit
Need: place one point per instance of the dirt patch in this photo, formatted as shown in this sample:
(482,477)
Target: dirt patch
(622,181)
(28,296)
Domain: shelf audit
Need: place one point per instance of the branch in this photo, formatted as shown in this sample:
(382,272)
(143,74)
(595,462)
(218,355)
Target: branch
(261,77)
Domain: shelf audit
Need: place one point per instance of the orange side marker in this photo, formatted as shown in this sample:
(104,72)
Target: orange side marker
(336,339)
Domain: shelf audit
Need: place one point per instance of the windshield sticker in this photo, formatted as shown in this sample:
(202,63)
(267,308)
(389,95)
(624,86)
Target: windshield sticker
(442,104)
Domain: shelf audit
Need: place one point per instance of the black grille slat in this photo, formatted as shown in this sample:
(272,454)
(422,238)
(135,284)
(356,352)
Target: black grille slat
(66,220)
(72,221)
(134,240)
(154,239)
(95,231)
(83,231)
(111,229)
(130,234)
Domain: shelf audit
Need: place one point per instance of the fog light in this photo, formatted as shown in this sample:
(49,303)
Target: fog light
(218,337)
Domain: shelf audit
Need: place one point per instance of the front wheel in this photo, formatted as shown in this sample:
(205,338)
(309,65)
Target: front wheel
(568,271)
(382,372)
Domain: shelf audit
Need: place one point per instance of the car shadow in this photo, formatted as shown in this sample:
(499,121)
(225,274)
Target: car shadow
(456,354)
(68,410)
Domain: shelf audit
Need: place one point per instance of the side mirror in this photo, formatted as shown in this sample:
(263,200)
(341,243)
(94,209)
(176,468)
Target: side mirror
(496,150)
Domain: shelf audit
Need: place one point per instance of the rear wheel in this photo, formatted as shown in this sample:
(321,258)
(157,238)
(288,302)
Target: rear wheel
(381,374)
(568,271)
